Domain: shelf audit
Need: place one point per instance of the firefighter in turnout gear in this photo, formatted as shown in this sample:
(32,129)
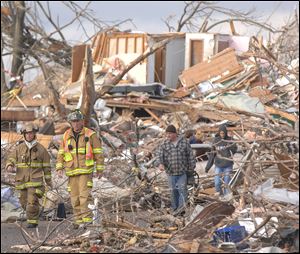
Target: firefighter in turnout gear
(32,163)
(80,154)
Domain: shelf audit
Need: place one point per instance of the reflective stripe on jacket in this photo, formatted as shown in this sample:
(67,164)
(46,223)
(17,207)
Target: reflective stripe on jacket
(87,150)
(80,158)
(33,166)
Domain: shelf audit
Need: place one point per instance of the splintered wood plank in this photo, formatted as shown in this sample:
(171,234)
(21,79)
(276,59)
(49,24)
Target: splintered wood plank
(194,115)
(195,246)
(264,95)
(180,93)
(20,115)
(223,64)
(153,115)
(150,104)
(286,167)
(283,114)
(98,45)
(78,55)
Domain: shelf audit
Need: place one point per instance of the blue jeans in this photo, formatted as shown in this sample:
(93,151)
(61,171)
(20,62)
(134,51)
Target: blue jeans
(218,183)
(178,186)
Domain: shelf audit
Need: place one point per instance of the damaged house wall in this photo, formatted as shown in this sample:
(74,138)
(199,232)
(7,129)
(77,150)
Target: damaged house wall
(174,61)
(221,42)
(168,62)
(165,66)
(200,44)
(108,48)
(237,42)
(138,73)
(128,47)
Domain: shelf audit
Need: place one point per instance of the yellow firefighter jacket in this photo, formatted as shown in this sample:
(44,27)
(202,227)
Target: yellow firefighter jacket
(78,157)
(33,166)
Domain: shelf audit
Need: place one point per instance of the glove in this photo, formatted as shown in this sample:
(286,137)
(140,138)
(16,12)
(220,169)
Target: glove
(206,170)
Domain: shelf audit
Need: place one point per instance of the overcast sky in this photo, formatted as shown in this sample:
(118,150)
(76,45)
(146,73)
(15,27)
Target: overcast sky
(147,16)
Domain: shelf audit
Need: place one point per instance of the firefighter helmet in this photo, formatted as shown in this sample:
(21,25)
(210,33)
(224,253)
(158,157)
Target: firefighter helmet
(75,115)
(29,127)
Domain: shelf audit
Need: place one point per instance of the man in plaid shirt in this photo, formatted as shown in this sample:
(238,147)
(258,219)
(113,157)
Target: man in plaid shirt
(176,158)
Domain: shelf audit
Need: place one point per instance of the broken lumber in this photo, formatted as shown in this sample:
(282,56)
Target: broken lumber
(17,115)
(220,65)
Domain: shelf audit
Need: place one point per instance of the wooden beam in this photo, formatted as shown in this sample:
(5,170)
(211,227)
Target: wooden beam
(20,115)
(150,104)
(233,31)
(283,114)
(221,65)
(153,115)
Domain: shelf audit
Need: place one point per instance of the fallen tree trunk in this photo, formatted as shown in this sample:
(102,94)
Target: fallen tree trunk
(17,67)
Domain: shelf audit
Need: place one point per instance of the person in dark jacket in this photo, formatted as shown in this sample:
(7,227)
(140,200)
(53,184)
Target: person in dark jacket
(223,148)
(177,159)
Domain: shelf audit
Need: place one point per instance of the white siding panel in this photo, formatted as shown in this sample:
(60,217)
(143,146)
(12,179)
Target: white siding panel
(174,61)
(150,68)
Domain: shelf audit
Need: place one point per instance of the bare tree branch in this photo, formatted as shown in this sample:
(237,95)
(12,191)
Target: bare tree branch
(50,20)
(183,21)
(204,11)
(55,96)
(18,38)
(147,53)
(244,20)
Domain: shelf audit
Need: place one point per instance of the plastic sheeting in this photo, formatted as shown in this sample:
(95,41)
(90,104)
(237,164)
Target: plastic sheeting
(266,190)
(240,101)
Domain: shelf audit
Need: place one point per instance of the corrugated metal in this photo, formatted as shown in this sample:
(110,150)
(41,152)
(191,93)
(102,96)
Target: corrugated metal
(271,172)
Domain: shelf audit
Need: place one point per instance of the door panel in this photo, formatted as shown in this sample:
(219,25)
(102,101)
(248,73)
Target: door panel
(160,64)
(222,45)
(197,49)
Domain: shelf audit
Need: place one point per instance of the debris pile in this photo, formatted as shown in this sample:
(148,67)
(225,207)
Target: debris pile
(252,92)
